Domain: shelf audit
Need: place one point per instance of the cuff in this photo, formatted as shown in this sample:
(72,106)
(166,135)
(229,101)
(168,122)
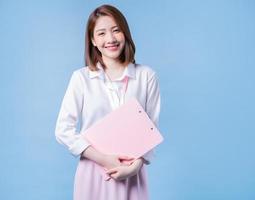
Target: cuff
(79,146)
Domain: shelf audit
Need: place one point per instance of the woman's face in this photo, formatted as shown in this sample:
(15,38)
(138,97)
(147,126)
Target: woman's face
(108,38)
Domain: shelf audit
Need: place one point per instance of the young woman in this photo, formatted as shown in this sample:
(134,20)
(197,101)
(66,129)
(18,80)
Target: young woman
(110,78)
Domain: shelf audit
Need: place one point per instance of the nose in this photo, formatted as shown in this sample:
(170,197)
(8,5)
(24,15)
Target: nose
(111,38)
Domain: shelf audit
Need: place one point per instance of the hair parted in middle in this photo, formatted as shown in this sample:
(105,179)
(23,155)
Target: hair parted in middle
(92,54)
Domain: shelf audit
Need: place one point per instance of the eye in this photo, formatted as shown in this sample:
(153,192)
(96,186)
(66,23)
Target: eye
(116,30)
(101,34)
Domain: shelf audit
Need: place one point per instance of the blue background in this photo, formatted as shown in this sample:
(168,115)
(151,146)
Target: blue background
(203,53)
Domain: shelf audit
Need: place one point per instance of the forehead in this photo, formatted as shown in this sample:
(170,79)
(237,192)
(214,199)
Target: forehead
(104,22)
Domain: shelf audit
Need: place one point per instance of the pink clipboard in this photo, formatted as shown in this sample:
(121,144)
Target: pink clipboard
(126,131)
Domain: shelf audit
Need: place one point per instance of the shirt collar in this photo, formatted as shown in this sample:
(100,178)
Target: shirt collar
(99,73)
(129,72)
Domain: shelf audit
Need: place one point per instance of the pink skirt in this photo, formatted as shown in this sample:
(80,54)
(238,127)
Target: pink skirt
(90,185)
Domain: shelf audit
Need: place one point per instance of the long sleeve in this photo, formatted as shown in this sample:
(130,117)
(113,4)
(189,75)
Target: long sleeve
(152,107)
(70,111)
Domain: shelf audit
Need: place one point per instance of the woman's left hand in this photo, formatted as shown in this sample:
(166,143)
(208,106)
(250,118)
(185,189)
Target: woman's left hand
(123,172)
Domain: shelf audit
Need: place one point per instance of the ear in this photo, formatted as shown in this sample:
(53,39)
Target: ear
(93,42)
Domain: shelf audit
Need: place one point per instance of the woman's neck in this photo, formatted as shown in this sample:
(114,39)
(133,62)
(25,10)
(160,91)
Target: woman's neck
(114,69)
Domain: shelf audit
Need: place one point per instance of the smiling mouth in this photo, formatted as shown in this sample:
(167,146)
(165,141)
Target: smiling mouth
(112,47)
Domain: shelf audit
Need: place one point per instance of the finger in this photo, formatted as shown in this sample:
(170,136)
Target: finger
(125,158)
(108,178)
(111,171)
(115,176)
(127,162)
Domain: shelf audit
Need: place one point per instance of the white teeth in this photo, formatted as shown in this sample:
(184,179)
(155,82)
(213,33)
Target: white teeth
(112,46)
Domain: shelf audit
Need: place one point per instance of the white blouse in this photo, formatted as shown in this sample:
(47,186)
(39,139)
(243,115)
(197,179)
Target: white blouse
(90,96)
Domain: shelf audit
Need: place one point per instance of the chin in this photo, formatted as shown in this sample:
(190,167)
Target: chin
(111,56)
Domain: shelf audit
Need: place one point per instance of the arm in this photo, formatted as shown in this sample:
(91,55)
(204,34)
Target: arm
(67,121)
(152,107)
(107,161)
(94,155)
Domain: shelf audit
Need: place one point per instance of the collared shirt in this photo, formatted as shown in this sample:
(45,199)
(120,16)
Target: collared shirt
(90,96)
(116,88)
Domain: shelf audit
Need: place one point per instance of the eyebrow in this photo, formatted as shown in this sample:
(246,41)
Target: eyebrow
(103,29)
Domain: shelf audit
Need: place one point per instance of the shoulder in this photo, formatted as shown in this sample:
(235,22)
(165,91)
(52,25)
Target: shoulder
(145,71)
(81,74)
(82,71)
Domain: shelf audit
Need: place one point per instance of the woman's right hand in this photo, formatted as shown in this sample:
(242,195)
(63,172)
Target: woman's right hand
(112,161)
(107,161)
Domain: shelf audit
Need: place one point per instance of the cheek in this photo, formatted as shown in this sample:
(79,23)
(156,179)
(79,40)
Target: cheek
(98,41)
(120,37)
